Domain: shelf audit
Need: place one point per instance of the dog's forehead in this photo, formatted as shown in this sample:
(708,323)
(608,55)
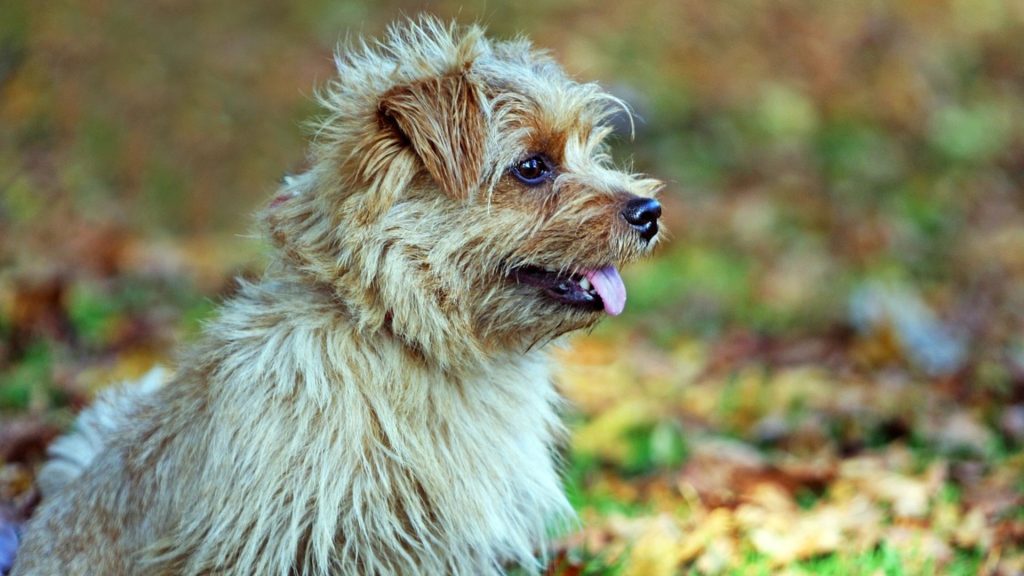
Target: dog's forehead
(537,99)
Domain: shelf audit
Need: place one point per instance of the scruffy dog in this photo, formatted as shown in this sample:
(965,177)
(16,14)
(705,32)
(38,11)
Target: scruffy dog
(380,402)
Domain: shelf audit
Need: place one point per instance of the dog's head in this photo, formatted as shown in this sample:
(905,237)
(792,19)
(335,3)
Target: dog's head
(461,195)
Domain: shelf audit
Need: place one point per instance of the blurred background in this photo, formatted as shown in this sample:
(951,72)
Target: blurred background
(821,372)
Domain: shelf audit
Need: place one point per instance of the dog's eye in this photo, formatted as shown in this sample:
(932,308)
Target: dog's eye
(533,171)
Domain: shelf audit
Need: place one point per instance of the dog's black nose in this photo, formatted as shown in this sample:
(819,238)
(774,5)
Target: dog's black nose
(642,214)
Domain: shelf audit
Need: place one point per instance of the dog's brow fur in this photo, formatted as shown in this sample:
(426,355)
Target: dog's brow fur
(379,402)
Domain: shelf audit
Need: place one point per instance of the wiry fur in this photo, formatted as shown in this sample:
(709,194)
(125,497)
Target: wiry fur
(379,403)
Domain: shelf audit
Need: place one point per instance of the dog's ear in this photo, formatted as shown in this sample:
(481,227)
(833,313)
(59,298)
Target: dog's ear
(442,120)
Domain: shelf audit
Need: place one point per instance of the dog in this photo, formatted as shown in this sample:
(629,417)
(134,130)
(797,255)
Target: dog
(380,402)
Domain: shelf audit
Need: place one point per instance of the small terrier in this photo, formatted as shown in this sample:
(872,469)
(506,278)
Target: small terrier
(380,402)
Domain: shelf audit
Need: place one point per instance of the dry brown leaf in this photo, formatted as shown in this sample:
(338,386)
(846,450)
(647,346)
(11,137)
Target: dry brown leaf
(974,531)
(605,435)
(23,438)
(910,497)
(784,533)
(592,376)
(704,531)
(720,555)
(656,549)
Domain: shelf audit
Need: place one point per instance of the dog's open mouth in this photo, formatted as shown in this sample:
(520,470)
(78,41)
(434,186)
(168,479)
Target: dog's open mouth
(600,289)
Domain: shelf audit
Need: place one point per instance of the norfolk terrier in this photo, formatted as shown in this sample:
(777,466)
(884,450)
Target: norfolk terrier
(380,401)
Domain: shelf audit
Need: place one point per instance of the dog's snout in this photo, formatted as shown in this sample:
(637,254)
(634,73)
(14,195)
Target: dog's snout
(642,214)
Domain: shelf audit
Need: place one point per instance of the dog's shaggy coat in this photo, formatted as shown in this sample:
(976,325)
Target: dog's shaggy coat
(380,402)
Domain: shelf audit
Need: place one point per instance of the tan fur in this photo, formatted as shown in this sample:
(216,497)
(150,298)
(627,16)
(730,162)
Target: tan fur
(380,402)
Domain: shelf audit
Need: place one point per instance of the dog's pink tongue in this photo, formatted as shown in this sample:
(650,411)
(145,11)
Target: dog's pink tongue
(609,285)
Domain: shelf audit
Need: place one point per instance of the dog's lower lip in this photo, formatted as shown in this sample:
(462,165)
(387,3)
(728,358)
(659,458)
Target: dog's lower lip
(570,289)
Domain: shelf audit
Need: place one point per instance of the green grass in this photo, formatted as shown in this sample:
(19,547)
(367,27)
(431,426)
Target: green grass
(26,381)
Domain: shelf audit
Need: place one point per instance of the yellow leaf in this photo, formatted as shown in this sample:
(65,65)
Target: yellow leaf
(656,550)
(605,436)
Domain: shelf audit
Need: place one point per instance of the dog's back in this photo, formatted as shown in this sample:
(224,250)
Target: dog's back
(72,453)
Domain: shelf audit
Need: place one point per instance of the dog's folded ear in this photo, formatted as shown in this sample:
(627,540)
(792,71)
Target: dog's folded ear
(442,120)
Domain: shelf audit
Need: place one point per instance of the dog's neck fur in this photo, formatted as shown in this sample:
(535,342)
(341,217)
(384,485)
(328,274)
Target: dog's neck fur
(313,487)
(373,277)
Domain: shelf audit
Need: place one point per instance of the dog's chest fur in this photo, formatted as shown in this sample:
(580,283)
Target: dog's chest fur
(327,448)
